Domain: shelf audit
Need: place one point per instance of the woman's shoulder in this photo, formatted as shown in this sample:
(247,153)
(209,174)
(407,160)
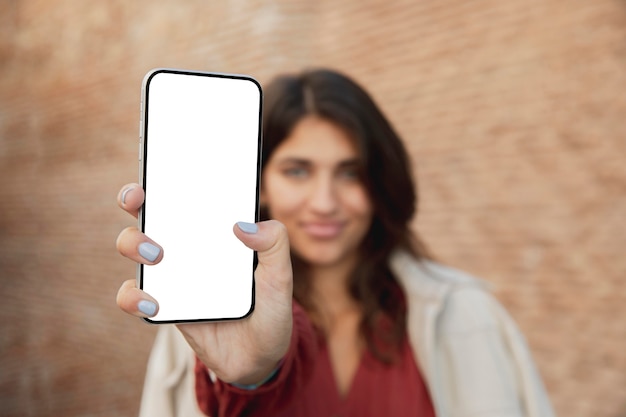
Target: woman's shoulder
(462,301)
(429,278)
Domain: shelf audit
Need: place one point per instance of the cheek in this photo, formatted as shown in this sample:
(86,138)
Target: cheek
(359,207)
(281,199)
(357,202)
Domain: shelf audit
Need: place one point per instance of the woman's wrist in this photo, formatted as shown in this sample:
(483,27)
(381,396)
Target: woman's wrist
(266,379)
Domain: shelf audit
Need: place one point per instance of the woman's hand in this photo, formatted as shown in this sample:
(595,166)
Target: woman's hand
(242,351)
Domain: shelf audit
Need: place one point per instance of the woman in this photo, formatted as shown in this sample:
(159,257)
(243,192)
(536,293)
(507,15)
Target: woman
(358,320)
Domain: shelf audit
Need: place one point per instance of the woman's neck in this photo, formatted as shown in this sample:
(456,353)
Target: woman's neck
(330,294)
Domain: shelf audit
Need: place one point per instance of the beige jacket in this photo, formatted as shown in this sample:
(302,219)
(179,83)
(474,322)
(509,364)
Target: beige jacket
(473,357)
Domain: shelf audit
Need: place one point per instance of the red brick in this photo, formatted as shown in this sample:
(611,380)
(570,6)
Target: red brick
(512,111)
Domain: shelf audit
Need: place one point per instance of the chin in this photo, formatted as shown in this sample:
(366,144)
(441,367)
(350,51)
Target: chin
(322,258)
(323,262)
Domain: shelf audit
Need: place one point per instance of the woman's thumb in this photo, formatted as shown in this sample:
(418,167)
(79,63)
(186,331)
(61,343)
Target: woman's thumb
(269,239)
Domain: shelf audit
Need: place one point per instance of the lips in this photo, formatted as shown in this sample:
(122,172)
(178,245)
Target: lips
(323,230)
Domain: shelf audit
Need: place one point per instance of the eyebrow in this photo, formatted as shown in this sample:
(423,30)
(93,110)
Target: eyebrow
(295,161)
(304,161)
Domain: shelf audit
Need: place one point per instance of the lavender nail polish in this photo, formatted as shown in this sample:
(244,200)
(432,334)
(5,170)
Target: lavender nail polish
(124,194)
(147,307)
(250,228)
(148,251)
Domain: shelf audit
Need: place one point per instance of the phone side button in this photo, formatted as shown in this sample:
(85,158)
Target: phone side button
(140,151)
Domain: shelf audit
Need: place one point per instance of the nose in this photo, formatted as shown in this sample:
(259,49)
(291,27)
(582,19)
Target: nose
(323,198)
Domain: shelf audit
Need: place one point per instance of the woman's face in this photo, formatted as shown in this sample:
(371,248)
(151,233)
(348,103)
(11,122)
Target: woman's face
(311,184)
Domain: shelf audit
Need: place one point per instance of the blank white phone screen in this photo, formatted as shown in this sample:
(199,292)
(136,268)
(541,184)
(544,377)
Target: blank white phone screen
(200,174)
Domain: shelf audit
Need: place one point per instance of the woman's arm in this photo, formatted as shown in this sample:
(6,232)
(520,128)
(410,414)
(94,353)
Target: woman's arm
(219,399)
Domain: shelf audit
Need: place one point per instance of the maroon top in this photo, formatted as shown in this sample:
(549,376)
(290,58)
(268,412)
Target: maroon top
(305,385)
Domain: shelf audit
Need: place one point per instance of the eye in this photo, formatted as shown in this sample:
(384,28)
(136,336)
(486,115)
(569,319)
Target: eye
(296,172)
(351,173)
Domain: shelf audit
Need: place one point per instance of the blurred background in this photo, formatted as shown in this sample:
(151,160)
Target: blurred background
(513,112)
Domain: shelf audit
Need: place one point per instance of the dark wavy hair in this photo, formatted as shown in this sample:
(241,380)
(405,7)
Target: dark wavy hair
(387,178)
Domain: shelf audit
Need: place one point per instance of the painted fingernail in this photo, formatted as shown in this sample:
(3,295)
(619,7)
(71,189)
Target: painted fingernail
(124,194)
(148,251)
(147,307)
(250,228)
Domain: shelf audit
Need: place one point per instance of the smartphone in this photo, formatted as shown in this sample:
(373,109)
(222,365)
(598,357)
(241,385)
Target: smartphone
(199,153)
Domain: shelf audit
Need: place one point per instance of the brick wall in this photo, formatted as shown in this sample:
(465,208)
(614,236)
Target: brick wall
(513,112)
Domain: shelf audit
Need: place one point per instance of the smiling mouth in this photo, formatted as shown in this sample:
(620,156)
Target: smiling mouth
(323,230)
